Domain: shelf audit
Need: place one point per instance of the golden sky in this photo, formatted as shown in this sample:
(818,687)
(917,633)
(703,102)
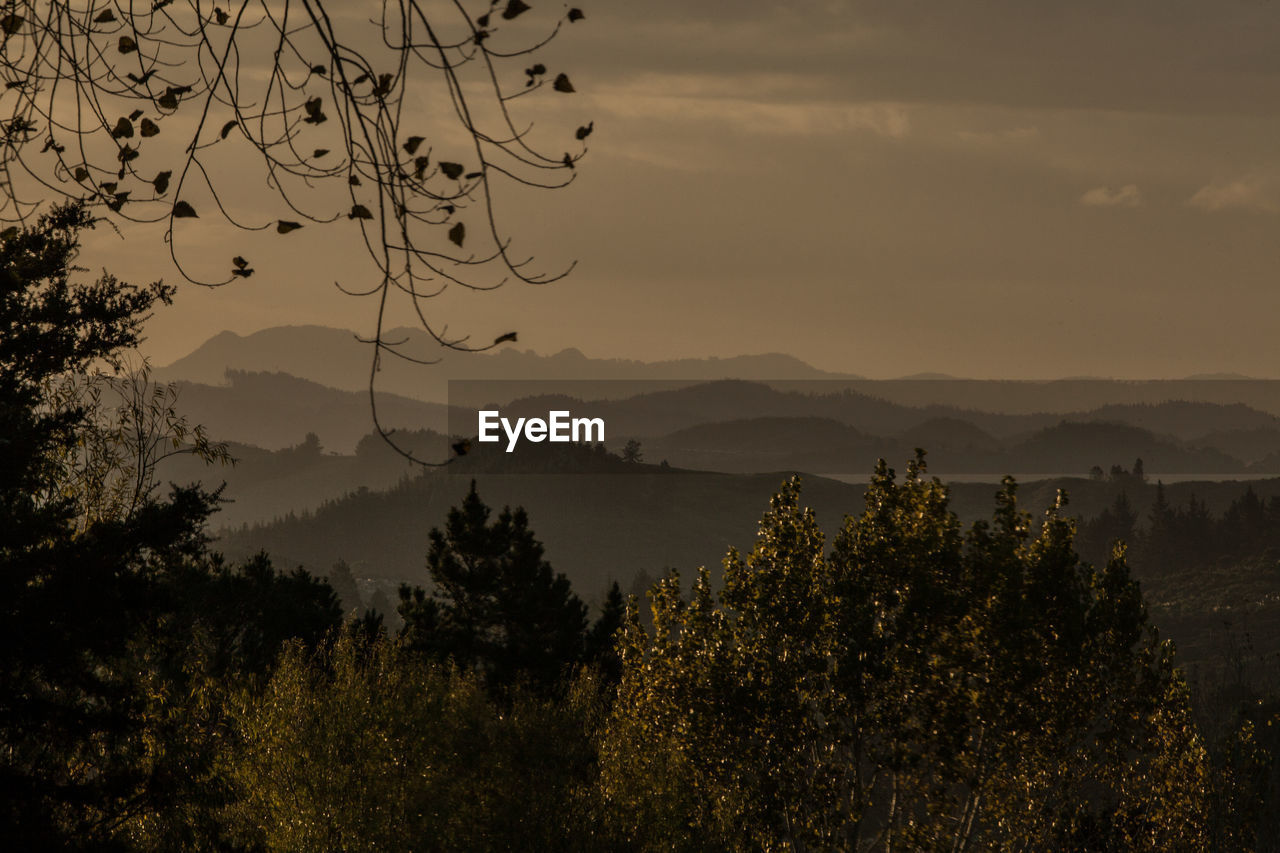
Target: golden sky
(986,188)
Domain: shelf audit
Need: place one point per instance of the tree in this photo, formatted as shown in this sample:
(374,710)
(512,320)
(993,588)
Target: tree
(497,607)
(369,746)
(631,451)
(920,686)
(71,595)
(152,113)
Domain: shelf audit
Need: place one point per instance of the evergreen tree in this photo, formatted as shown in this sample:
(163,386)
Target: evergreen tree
(497,605)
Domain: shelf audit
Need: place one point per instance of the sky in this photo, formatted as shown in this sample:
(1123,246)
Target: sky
(983,188)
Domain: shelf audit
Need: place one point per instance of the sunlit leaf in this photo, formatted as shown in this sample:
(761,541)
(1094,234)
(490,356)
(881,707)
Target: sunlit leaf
(182,210)
(458,233)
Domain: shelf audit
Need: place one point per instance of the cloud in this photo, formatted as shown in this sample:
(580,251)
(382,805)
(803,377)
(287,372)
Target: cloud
(1126,196)
(1253,194)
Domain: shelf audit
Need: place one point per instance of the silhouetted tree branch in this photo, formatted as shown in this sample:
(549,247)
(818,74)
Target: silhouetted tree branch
(150,112)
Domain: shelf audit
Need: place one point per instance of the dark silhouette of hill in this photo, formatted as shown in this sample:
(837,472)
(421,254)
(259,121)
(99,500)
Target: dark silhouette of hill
(769,444)
(1247,445)
(1073,446)
(275,410)
(338,359)
(1187,420)
(269,484)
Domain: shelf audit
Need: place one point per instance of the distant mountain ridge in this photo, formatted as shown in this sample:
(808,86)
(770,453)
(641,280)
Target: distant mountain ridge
(338,359)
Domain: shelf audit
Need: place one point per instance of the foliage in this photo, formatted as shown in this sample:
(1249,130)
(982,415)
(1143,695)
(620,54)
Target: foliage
(497,606)
(921,686)
(369,746)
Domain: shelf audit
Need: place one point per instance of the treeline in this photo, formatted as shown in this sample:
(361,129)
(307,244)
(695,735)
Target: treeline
(913,683)
(1170,539)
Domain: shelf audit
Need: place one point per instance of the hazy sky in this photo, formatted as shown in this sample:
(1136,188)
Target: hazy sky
(988,188)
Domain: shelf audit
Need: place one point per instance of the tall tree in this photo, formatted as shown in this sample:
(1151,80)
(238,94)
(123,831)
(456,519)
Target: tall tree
(497,605)
(919,687)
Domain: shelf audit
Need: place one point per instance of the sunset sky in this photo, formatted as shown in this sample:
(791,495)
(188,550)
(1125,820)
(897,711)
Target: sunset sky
(988,188)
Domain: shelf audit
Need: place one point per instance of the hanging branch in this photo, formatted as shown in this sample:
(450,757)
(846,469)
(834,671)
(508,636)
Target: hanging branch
(133,107)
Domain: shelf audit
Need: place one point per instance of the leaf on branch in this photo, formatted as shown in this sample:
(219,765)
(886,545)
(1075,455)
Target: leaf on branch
(106,16)
(11,24)
(502,339)
(462,448)
(360,79)
(243,272)
(585,130)
(141,80)
(148,128)
(227,128)
(118,202)
(169,100)
(240,262)
(480,36)
(483,20)
(359,211)
(315,115)
(420,166)
(412,143)
(353,181)
(575,15)
(384,85)
(15,84)
(221,16)
(161,182)
(123,129)
(127,45)
(562,83)
(471,176)
(159,4)
(319,69)
(451,170)
(568,160)
(81,174)
(135,115)
(320,152)
(108,186)
(127,153)
(457,234)
(284,226)
(515,8)
(182,210)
